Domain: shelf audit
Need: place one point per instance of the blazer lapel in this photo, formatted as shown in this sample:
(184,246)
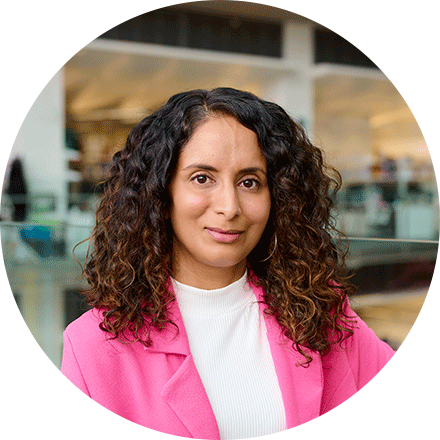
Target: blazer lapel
(186,395)
(301,387)
(184,392)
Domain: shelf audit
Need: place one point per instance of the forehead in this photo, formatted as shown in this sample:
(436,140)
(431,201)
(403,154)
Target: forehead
(222,139)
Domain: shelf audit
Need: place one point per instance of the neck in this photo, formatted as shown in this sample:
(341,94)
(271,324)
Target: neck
(208,278)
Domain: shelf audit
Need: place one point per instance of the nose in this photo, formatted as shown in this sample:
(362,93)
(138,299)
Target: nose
(226,201)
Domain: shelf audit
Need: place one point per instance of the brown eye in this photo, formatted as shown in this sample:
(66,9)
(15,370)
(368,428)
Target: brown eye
(250,183)
(200,179)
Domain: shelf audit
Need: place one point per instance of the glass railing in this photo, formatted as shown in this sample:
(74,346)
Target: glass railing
(45,278)
(392,277)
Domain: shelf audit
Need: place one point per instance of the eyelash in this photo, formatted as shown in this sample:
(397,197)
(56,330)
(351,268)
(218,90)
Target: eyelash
(255,181)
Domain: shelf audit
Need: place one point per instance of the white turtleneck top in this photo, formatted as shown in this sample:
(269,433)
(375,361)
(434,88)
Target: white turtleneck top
(229,345)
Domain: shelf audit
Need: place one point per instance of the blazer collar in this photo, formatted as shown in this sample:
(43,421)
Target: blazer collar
(301,387)
(172,339)
(184,392)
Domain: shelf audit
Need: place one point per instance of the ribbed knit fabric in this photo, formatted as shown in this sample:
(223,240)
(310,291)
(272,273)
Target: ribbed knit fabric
(228,341)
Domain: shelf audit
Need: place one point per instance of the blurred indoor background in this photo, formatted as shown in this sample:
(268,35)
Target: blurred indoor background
(388,205)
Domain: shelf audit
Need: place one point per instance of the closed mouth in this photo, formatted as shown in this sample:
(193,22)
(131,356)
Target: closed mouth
(222,231)
(224,236)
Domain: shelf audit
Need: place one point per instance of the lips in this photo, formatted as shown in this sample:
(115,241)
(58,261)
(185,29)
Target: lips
(224,236)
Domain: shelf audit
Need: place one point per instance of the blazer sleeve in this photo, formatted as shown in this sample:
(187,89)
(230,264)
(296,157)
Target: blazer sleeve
(70,366)
(348,368)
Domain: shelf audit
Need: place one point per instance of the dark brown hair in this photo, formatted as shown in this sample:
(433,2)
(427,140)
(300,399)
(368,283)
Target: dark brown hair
(130,265)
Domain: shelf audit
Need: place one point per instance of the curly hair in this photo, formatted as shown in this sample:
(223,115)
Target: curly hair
(296,260)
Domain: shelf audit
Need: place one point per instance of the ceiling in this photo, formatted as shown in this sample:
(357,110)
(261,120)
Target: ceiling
(102,84)
(373,99)
(242,9)
(127,81)
(98,82)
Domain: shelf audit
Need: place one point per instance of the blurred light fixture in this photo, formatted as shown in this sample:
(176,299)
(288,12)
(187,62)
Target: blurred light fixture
(114,114)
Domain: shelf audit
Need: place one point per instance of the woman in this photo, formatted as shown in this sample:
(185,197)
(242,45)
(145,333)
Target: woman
(219,305)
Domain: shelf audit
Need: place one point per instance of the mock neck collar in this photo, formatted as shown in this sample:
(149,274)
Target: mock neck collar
(193,301)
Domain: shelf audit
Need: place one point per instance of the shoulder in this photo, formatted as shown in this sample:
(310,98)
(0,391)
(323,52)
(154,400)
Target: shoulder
(363,352)
(85,331)
(86,322)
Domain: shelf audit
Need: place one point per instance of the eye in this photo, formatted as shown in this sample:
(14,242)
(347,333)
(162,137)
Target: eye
(201,179)
(250,183)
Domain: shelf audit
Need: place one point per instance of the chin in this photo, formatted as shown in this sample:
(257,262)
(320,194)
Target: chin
(223,262)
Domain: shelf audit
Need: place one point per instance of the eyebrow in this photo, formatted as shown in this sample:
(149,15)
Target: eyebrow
(203,166)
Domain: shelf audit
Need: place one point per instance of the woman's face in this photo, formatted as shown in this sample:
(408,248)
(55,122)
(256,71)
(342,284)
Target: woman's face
(220,200)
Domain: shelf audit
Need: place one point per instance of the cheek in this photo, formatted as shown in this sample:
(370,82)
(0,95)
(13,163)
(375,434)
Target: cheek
(188,205)
(258,211)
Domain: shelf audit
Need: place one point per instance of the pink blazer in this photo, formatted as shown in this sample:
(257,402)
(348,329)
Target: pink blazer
(159,386)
